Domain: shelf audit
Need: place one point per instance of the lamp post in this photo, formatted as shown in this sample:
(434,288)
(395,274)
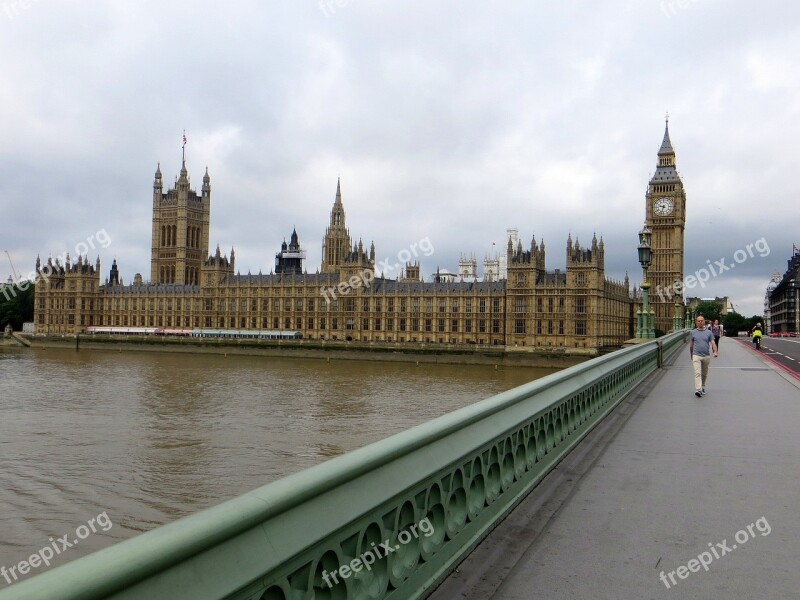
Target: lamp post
(646,331)
(677,320)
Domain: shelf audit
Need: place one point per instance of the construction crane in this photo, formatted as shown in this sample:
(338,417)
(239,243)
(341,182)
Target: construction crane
(13,270)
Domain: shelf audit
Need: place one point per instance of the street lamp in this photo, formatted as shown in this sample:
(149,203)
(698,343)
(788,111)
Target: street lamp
(677,319)
(645,316)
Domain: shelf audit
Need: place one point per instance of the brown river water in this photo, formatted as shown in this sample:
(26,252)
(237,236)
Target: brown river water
(146,438)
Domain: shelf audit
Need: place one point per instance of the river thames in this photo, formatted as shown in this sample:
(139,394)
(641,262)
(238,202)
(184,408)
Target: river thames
(150,437)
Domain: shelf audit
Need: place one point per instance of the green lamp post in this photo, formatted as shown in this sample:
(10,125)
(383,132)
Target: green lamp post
(647,330)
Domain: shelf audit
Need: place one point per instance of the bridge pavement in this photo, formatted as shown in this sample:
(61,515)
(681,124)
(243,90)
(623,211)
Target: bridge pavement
(667,482)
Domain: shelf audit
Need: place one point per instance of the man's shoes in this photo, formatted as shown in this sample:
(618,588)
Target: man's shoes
(703,391)
(698,394)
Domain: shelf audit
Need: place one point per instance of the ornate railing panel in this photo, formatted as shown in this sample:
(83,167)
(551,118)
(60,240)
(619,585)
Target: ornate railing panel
(416,503)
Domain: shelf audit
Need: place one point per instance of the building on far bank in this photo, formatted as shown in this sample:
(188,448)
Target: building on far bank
(724,302)
(784,300)
(773,283)
(574,310)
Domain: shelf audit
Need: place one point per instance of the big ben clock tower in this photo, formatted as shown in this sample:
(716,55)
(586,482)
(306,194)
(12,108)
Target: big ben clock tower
(665,215)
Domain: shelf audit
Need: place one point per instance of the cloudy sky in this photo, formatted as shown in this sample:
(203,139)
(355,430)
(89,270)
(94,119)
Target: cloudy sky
(451,121)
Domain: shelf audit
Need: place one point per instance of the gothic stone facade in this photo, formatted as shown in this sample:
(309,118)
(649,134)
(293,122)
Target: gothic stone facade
(576,311)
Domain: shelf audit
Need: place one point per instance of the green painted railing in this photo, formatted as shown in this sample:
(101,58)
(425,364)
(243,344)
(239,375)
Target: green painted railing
(463,472)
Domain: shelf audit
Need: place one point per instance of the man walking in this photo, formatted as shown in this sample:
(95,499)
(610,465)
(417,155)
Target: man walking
(700,349)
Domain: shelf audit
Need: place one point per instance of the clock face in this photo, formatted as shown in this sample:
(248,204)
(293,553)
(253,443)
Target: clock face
(663,207)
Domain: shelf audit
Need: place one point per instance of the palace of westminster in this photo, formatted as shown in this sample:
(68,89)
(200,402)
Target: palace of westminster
(575,311)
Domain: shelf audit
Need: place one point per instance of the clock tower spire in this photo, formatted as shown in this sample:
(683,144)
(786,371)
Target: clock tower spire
(665,215)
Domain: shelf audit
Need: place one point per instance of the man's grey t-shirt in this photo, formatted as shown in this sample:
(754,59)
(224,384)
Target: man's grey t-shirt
(702,339)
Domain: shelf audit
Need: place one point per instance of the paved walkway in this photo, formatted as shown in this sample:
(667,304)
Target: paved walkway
(650,490)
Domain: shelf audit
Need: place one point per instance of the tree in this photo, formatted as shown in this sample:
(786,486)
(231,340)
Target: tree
(710,310)
(16,306)
(733,323)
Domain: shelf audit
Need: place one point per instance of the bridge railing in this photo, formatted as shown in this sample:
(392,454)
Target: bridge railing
(390,520)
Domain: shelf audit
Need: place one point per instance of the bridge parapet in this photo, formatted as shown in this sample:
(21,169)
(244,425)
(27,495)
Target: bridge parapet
(426,497)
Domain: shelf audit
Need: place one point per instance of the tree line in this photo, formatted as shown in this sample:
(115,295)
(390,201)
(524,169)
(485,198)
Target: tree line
(16,305)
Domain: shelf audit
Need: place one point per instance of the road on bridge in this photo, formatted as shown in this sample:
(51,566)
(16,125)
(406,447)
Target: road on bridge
(784,351)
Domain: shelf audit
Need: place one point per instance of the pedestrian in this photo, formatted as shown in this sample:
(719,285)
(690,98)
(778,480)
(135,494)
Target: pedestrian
(700,349)
(716,329)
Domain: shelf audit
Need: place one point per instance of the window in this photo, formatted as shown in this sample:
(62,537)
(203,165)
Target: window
(549,305)
(468,305)
(390,303)
(455,305)
(441,305)
(539,327)
(561,304)
(402,324)
(496,326)
(414,324)
(519,326)
(482,305)
(349,305)
(440,325)
(428,305)
(550,327)
(403,306)
(389,324)
(310,305)
(415,305)
(428,325)
(561,327)
(377,325)
(580,305)
(322,323)
(482,326)
(378,305)
(580,327)
(299,305)
(581,279)
(365,305)
(519,305)
(454,325)
(539,305)
(468,325)
(496,305)
(365,324)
